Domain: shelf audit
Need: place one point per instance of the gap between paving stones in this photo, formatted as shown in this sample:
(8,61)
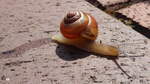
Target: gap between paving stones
(111,10)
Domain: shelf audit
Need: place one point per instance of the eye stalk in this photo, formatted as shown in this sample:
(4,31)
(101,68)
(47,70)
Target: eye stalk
(80,29)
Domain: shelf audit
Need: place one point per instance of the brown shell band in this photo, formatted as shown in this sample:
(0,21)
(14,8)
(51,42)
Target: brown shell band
(71,17)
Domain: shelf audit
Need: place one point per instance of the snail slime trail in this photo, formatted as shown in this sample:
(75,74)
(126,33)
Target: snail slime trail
(80,29)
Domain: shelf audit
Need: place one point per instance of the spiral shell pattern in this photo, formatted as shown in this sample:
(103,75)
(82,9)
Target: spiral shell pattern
(79,24)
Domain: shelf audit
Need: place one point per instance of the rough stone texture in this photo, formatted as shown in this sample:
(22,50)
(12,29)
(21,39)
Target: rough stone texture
(111,2)
(27,55)
(139,12)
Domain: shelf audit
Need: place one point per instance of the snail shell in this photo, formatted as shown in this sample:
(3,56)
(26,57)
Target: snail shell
(79,24)
(80,29)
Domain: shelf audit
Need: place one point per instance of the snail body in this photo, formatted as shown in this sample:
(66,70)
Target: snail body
(80,29)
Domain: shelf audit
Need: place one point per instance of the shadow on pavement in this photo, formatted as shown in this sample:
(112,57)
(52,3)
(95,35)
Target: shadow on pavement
(70,53)
(66,53)
(24,47)
(116,6)
(117,64)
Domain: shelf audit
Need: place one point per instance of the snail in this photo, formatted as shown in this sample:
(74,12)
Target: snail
(80,29)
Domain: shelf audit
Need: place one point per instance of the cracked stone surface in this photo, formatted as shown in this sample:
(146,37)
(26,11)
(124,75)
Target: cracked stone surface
(117,2)
(139,12)
(111,2)
(28,56)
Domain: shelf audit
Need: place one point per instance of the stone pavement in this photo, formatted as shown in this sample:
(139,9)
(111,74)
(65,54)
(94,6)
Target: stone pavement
(137,10)
(28,56)
(111,2)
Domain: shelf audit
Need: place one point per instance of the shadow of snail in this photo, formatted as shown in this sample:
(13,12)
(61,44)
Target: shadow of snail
(66,53)
(80,29)
(82,44)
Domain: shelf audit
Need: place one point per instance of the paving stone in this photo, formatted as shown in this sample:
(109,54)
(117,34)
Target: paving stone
(111,2)
(120,3)
(139,12)
(27,55)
